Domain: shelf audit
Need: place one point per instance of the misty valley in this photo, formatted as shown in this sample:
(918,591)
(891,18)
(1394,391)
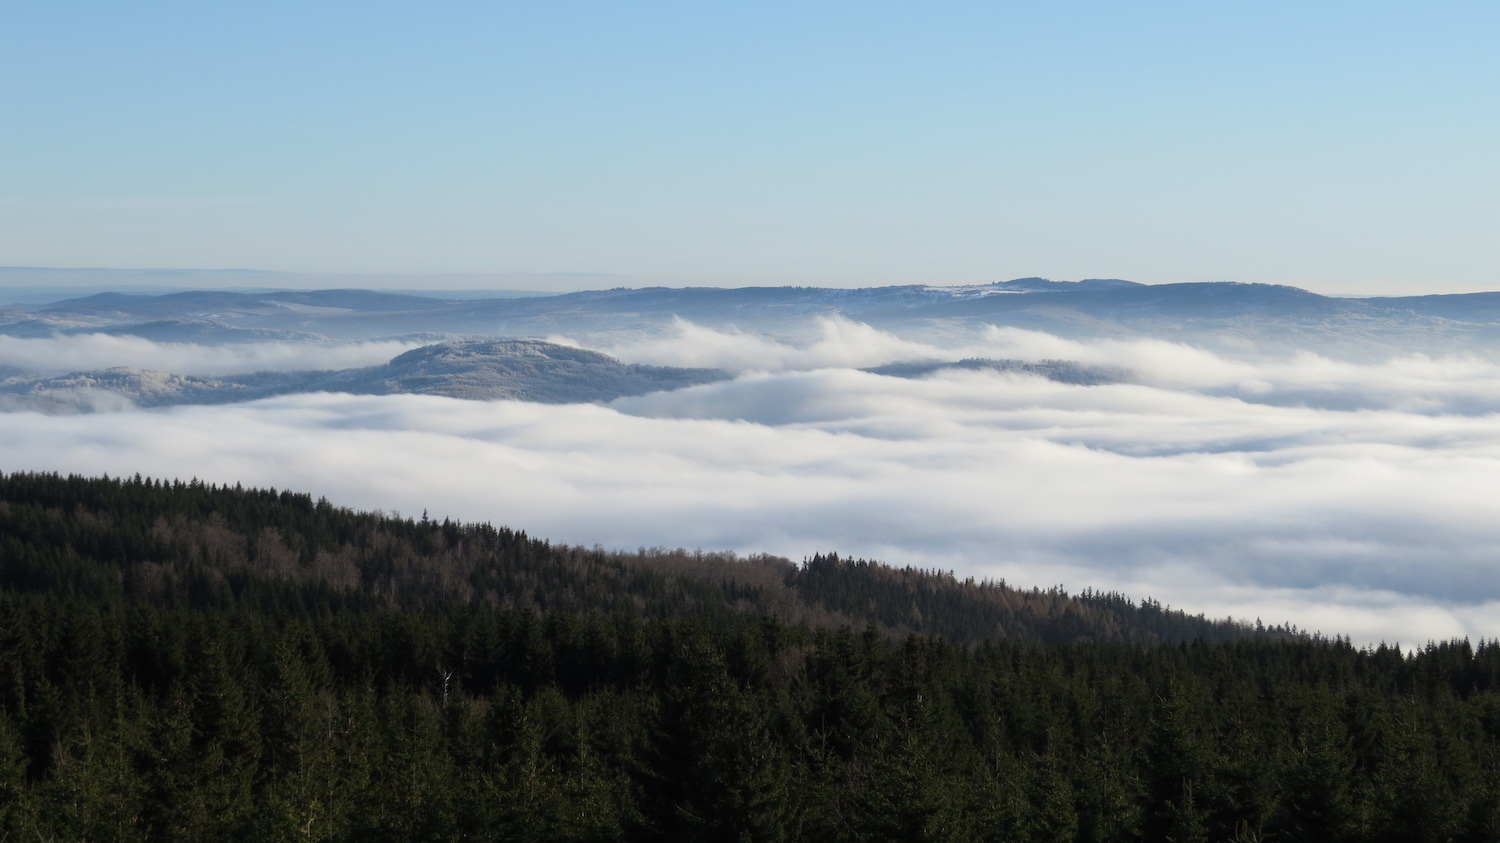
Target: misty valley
(1237,449)
(1030,560)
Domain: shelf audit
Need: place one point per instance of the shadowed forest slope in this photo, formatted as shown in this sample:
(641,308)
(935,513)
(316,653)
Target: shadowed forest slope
(199,545)
(180,661)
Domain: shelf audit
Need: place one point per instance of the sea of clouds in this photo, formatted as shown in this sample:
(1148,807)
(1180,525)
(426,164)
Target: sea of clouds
(50,356)
(1351,499)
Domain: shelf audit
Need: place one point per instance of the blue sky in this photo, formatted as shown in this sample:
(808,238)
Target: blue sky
(1342,147)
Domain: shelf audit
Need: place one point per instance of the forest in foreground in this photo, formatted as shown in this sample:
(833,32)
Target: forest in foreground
(180,660)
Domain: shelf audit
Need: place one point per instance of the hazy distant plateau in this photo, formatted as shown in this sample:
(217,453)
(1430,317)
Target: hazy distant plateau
(1222,316)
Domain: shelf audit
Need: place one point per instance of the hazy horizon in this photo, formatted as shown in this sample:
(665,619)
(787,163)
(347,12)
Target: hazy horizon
(39,278)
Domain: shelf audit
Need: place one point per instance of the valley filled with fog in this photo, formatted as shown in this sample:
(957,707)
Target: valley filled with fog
(1351,494)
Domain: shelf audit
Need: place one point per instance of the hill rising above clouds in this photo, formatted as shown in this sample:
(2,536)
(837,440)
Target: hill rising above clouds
(520,370)
(525,370)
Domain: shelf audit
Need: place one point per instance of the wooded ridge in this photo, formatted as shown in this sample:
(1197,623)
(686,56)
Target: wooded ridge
(183,660)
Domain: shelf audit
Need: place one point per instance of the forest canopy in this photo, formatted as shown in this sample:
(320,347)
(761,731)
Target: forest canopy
(182,660)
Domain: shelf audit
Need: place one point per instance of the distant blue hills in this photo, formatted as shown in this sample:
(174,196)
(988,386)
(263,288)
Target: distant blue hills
(1210,311)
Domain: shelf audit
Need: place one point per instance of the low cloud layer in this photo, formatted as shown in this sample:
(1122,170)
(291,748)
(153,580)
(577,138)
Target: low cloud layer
(1411,381)
(88,352)
(1204,482)
(820,342)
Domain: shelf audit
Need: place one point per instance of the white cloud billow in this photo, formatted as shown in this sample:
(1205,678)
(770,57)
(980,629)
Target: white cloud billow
(86,352)
(1205,482)
(826,341)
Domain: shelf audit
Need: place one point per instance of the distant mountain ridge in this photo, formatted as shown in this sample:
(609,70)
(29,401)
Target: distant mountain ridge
(1206,312)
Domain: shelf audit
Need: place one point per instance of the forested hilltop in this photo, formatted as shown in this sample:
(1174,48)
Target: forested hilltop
(188,661)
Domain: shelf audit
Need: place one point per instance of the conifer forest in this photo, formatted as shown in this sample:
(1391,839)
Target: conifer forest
(187,661)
